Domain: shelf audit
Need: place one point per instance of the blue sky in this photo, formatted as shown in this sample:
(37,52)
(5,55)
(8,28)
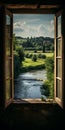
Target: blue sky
(33,25)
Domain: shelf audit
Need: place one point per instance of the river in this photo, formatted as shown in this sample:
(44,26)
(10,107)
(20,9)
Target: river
(28,84)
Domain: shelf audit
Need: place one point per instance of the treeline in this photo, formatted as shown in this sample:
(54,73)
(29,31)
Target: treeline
(45,44)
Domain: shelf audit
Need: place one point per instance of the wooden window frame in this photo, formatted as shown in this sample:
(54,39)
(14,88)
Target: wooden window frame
(4,48)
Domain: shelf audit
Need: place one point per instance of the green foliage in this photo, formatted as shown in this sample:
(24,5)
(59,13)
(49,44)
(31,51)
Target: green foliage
(27,55)
(48,85)
(36,43)
(15,42)
(34,58)
(28,64)
(35,51)
(50,74)
(40,55)
(45,88)
(16,65)
(20,52)
(43,50)
(50,67)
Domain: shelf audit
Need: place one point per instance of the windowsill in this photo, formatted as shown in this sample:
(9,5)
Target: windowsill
(34,101)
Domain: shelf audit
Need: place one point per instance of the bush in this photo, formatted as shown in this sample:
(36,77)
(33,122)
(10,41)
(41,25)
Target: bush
(45,88)
(34,57)
(27,55)
(30,55)
(16,65)
(20,52)
(41,56)
(49,84)
(50,68)
(35,51)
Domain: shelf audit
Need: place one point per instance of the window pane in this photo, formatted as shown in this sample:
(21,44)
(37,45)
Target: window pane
(8,89)
(58,47)
(59,26)
(8,49)
(59,68)
(58,88)
(7,20)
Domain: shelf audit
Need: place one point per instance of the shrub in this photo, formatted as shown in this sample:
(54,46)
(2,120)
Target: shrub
(20,52)
(34,57)
(27,55)
(41,56)
(35,51)
(45,88)
(16,65)
(30,55)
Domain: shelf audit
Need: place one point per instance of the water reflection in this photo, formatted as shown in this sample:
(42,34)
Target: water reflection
(28,84)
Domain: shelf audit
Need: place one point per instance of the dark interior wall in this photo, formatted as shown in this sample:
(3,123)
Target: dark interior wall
(1,57)
(33,1)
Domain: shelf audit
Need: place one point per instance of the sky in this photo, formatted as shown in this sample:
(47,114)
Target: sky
(33,25)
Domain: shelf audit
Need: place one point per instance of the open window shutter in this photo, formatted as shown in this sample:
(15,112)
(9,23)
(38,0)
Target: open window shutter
(8,58)
(58,59)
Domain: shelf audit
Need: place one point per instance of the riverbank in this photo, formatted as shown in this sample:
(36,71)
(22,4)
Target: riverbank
(28,65)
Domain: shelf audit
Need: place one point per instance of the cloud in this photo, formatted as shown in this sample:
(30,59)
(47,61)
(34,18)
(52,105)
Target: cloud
(19,24)
(52,22)
(28,27)
(18,30)
(42,28)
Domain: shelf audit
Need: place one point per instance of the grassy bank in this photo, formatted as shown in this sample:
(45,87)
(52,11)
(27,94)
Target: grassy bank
(28,64)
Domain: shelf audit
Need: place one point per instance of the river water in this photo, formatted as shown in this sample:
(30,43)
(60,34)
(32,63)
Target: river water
(28,84)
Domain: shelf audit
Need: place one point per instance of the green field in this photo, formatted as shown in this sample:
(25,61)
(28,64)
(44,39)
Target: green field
(39,52)
(29,64)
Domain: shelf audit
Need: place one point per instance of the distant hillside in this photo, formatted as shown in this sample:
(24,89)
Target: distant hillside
(36,42)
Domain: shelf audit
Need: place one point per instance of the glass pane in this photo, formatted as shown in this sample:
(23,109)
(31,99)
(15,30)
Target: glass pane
(59,68)
(8,89)
(58,89)
(8,68)
(7,20)
(8,48)
(58,47)
(59,26)
(7,25)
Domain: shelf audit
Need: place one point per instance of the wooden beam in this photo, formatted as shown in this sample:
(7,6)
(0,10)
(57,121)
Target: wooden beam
(24,6)
(34,11)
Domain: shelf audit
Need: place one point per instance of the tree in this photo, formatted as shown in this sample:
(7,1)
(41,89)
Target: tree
(50,67)
(48,85)
(34,57)
(15,43)
(20,52)
(16,65)
(50,74)
(43,49)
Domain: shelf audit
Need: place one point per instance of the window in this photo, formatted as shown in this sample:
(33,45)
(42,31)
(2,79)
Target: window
(58,59)
(8,59)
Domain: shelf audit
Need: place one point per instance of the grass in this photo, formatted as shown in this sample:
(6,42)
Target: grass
(28,62)
(40,52)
